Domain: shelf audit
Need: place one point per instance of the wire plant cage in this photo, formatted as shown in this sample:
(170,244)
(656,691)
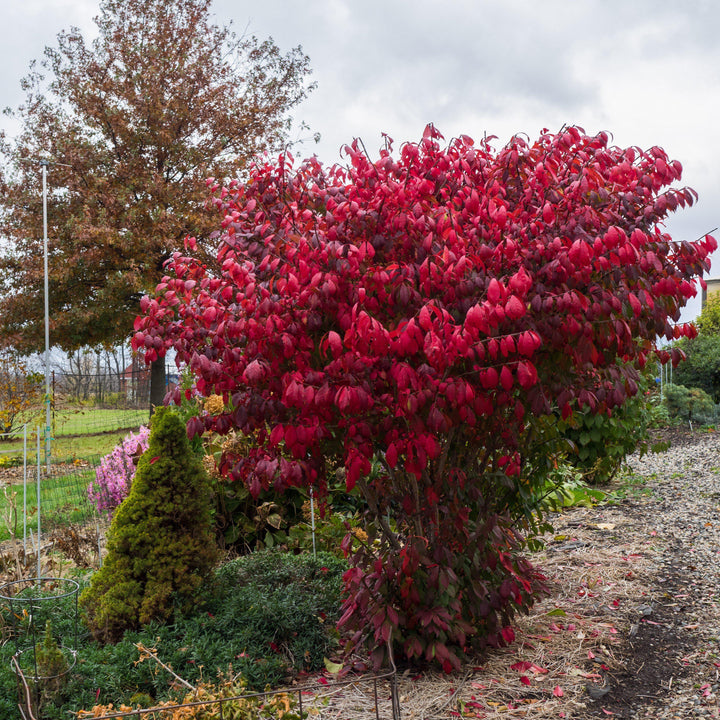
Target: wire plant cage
(42,617)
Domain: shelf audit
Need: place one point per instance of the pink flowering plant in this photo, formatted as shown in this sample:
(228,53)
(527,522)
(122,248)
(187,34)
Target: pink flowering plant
(116,472)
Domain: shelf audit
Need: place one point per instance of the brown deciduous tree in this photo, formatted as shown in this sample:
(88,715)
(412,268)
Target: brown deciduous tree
(20,392)
(134,123)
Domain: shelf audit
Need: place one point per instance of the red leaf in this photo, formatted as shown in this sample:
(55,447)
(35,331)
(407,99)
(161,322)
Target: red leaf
(475,318)
(515,308)
(335,343)
(525,680)
(508,635)
(521,666)
(489,378)
(494,292)
(558,691)
(579,253)
(527,374)
(254,372)
(548,214)
(506,378)
(520,283)
(635,304)
(424,319)
(391,455)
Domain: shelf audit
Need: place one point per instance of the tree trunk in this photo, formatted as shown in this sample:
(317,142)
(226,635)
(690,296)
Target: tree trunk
(157,383)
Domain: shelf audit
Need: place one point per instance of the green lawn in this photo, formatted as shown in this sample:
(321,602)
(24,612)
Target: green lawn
(91,421)
(80,432)
(63,500)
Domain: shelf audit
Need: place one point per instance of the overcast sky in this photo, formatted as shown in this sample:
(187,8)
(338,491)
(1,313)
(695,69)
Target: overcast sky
(647,71)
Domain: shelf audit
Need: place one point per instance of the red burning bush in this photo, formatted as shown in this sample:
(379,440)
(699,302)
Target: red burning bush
(425,318)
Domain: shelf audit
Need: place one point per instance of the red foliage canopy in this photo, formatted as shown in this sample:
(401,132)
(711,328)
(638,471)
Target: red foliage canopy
(392,304)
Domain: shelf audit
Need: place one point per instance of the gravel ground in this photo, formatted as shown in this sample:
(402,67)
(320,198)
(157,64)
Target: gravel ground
(671,649)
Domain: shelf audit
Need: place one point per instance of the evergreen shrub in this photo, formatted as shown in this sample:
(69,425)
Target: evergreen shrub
(160,543)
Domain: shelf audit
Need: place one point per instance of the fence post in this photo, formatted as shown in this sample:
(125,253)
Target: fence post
(38,506)
(25,469)
(54,419)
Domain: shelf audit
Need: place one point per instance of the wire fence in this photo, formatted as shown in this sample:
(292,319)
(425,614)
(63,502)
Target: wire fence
(45,481)
(44,475)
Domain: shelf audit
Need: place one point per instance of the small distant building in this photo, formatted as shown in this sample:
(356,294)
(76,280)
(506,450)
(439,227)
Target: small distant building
(135,382)
(713,286)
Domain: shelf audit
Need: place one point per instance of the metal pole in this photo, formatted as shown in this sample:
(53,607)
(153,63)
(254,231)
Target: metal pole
(312,519)
(38,506)
(44,164)
(25,474)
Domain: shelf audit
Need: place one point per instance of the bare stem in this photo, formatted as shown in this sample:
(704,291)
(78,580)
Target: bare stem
(146,653)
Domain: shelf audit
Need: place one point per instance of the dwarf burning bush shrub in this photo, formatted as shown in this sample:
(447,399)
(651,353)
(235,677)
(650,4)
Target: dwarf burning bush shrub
(116,471)
(422,320)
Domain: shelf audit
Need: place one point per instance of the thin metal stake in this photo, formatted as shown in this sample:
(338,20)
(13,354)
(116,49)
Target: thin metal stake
(312,519)
(38,506)
(24,492)
(97,539)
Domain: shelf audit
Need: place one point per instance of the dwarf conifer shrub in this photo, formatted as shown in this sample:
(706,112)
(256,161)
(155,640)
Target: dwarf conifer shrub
(160,543)
(692,404)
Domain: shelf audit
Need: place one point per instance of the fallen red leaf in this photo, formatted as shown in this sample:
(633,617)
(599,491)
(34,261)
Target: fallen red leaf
(521,666)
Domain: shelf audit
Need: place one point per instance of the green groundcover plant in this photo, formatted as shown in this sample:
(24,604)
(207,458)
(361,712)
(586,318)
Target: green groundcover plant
(267,616)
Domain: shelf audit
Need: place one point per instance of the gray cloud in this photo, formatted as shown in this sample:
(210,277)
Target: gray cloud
(648,71)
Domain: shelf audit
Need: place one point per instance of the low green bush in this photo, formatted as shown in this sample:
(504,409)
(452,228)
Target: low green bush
(691,404)
(701,367)
(600,442)
(266,616)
